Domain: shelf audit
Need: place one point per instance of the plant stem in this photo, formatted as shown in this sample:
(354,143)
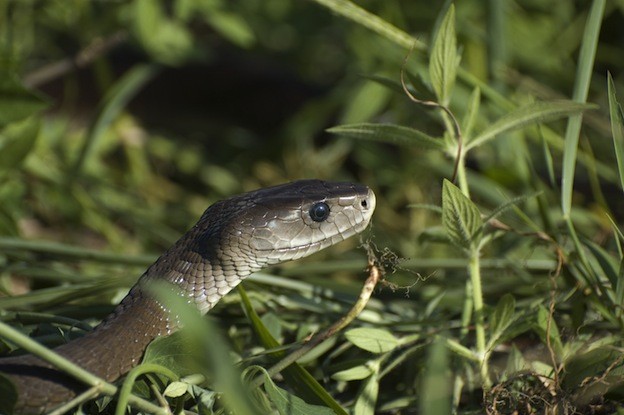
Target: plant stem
(477,298)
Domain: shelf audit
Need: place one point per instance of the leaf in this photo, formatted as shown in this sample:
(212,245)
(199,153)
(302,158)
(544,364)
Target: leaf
(175,352)
(508,205)
(501,319)
(460,217)
(355,373)
(289,404)
(541,327)
(167,40)
(176,389)
(443,62)
(17,102)
(232,27)
(617,127)
(388,133)
(372,340)
(367,396)
(530,114)
(16,142)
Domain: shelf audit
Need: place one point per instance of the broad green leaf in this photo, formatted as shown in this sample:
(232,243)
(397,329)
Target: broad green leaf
(372,339)
(460,217)
(176,389)
(501,319)
(515,361)
(531,114)
(355,373)
(17,102)
(542,328)
(366,400)
(389,133)
(16,142)
(289,404)
(176,352)
(617,127)
(437,387)
(443,61)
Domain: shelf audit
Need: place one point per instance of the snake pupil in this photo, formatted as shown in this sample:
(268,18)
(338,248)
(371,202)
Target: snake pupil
(319,212)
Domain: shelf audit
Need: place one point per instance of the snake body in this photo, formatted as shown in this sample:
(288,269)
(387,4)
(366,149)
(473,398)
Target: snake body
(231,240)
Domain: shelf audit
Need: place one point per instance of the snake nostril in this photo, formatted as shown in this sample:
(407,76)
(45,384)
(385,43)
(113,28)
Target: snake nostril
(364,203)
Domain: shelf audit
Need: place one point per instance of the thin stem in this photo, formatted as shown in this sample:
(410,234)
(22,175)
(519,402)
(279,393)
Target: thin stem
(477,297)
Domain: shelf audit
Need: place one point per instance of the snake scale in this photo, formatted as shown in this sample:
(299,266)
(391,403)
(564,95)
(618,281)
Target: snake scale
(233,239)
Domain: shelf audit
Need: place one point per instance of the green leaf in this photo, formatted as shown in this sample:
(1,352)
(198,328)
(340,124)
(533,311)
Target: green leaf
(367,396)
(232,27)
(388,133)
(508,205)
(444,60)
(289,404)
(541,327)
(175,352)
(167,40)
(372,339)
(460,217)
(617,127)
(501,319)
(16,142)
(175,389)
(530,114)
(17,102)
(355,373)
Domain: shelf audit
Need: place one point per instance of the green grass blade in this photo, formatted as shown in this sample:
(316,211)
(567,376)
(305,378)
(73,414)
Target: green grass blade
(114,102)
(617,127)
(295,374)
(581,88)
(354,12)
(389,133)
(530,114)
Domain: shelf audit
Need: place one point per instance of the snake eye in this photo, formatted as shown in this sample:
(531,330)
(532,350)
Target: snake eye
(319,212)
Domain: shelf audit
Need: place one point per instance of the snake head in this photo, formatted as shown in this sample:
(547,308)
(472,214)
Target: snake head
(245,233)
(297,219)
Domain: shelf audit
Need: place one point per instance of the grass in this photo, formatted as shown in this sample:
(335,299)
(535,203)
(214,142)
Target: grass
(497,234)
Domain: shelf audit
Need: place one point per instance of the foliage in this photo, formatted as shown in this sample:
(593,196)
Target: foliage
(498,224)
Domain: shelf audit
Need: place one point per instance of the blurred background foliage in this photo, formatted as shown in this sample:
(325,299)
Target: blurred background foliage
(121,121)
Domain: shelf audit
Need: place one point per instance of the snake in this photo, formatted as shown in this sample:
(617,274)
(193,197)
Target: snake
(232,239)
